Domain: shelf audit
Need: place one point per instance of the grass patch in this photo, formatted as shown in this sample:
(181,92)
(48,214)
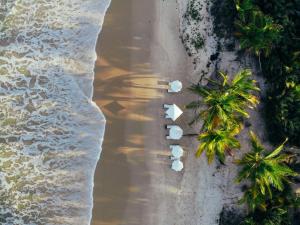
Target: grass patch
(193,11)
(198,42)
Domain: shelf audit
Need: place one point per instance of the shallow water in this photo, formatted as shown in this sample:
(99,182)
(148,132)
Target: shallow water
(51,131)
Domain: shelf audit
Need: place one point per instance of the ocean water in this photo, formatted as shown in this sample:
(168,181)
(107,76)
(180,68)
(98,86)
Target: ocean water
(50,130)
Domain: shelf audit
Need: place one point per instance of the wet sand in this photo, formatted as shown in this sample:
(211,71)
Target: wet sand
(121,90)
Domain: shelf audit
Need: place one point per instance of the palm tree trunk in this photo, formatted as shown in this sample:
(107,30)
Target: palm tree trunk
(259,62)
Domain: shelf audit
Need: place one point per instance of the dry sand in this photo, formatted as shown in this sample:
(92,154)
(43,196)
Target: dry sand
(139,49)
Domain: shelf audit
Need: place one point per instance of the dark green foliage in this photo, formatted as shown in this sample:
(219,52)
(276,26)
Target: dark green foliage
(256,31)
(284,111)
(198,42)
(280,210)
(276,213)
(192,39)
(282,69)
(224,14)
(230,216)
(275,216)
(271,27)
(193,10)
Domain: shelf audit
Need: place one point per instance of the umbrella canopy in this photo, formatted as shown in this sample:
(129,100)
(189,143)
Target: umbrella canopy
(175,86)
(177,151)
(175,132)
(173,112)
(177,165)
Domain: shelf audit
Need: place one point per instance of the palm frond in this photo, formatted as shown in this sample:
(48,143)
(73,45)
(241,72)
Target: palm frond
(266,172)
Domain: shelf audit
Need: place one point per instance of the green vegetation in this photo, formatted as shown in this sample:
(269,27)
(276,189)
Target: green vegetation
(282,70)
(197,42)
(280,209)
(193,10)
(224,14)
(280,65)
(269,30)
(265,171)
(217,142)
(225,105)
(256,31)
(271,27)
(225,101)
(268,194)
(192,39)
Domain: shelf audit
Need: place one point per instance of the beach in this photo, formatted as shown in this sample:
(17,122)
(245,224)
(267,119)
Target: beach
(84,134)
(139,50)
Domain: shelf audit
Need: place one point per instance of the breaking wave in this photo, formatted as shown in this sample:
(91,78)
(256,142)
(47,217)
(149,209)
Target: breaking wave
(51,131)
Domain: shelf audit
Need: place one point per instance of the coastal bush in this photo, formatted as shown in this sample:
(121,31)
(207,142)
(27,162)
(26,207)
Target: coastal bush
(256,31)
(282,70)
(280,210)
(276,216)
(221,106)
(284,109)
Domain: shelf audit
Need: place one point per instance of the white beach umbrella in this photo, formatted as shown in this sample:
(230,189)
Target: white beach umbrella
(175,86)
(177,165)
(175,132)
(173,112)
(176,150)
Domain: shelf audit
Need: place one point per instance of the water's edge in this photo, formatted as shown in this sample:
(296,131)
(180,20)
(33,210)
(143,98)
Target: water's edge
(51,130)
(102,135)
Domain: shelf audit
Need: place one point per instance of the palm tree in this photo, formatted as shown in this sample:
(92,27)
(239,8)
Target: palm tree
(265,170)
(220,107)
(225,101)
(242,86)
(217,142)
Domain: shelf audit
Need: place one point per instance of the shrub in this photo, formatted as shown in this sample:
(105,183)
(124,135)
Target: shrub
(256,31)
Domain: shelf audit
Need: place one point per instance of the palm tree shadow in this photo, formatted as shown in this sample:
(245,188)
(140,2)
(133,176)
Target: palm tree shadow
(119,46)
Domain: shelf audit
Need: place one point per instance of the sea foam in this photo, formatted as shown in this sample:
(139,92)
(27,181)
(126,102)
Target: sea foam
(51,131)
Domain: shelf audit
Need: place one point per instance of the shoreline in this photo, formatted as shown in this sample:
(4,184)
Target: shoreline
(114,94)
(94,104)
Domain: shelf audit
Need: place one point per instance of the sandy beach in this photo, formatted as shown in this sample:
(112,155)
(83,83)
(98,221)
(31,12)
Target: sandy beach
(139,50)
